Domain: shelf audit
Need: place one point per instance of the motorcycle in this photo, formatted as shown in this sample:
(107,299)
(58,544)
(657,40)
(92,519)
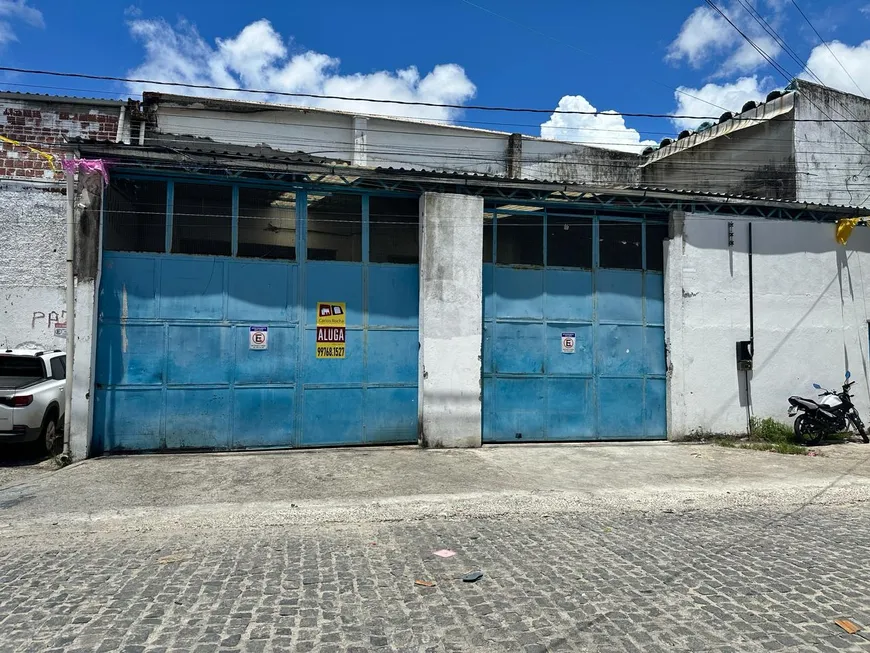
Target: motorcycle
(833,414)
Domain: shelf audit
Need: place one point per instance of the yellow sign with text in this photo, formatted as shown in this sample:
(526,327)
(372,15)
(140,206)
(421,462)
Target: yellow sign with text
(331,330)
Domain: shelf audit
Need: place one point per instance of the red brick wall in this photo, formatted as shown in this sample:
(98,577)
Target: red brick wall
(47,126)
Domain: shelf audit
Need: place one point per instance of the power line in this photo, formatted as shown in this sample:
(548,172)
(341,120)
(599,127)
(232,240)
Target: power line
(343,98)
(782,71)
(574,47)
(767,27)
(825,43)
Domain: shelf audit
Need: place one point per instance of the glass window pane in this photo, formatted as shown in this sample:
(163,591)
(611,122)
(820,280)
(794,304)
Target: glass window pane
(520,239)
(569,242)
(656,234)
(267,224)
(57,370)
(135,216)
(202,220)
(334,227)
(394,229)
(619,245)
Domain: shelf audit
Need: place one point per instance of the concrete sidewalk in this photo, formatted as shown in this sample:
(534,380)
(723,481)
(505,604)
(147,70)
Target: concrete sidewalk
(384,483)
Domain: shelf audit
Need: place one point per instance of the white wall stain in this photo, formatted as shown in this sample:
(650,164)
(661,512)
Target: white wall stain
(124,318)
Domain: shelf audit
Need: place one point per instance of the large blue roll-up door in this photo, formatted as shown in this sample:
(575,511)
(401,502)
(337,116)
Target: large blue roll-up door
(596,282)
(175,366)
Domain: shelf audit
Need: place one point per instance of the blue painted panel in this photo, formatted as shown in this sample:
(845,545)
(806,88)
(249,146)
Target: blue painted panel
(655,351)
(350,369)
(569,295)
(128,420)
(579,362)
(488,408)
(621,350)
(392,356)
(518,348)
(131,354)
(571,409)
(131,283)
(263,417)
(393,295)
(261,292)
(488,336)
(620,296)
(277,364)
(655,298)
(198,418)
(488,292)
(520,408)
(655,416)
(620,410)
(519,292)
(328,281)
(191,289)
(391,415)
(332,416)
(199,354)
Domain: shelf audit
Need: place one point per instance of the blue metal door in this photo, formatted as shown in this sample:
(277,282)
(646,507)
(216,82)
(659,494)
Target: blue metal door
(573,343)
(176,368)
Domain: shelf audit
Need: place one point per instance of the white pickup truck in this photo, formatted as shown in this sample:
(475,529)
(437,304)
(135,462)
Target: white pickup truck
(32,396)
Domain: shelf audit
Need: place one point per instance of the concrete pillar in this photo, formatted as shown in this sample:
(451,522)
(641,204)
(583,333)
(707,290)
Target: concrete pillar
(514,166)
(81,367)
(451,320)
(360,141)
(674,348)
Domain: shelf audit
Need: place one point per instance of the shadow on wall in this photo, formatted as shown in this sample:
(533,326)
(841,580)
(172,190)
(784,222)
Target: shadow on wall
(779,239)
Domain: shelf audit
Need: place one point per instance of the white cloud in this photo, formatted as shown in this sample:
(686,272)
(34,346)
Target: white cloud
(706,36)
(855,59)
(17,11)
(258,58)
(705,100)
(606,129)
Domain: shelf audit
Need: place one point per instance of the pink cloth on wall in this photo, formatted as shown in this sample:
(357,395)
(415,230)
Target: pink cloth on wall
(87,166)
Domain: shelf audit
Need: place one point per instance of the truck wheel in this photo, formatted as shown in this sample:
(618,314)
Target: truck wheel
(48,436)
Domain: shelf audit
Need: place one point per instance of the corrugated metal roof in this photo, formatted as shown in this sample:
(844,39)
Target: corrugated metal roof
(595,188)
(265,153)
(760,114)
(68,99)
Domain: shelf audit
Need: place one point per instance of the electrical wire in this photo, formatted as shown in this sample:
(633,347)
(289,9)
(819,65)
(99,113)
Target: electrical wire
(342,98)
(825,43)
(574,47)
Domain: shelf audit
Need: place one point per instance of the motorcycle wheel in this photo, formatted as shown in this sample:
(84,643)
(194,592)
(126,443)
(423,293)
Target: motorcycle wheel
(860,428)
(803,430)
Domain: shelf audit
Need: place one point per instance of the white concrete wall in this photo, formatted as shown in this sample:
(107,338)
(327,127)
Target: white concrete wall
(32,273)
(832,158)
(451,329)
(545,160)
(33,290)
(382,142)
(811,315)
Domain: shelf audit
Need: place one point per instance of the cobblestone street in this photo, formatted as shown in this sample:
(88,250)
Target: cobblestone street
(686,580)
(583,548)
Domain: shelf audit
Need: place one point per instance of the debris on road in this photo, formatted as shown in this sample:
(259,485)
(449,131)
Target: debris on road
(849,626)
(424,583)
(174,557)
(472,577)
(444,553)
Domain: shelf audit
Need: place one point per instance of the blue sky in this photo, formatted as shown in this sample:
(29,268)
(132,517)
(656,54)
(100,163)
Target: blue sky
(628,56)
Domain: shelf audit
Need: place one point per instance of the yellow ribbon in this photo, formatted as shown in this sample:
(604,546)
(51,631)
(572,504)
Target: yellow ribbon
(45,155)
(845,227)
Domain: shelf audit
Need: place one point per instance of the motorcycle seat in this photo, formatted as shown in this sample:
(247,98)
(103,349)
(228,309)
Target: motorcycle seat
(806,403)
